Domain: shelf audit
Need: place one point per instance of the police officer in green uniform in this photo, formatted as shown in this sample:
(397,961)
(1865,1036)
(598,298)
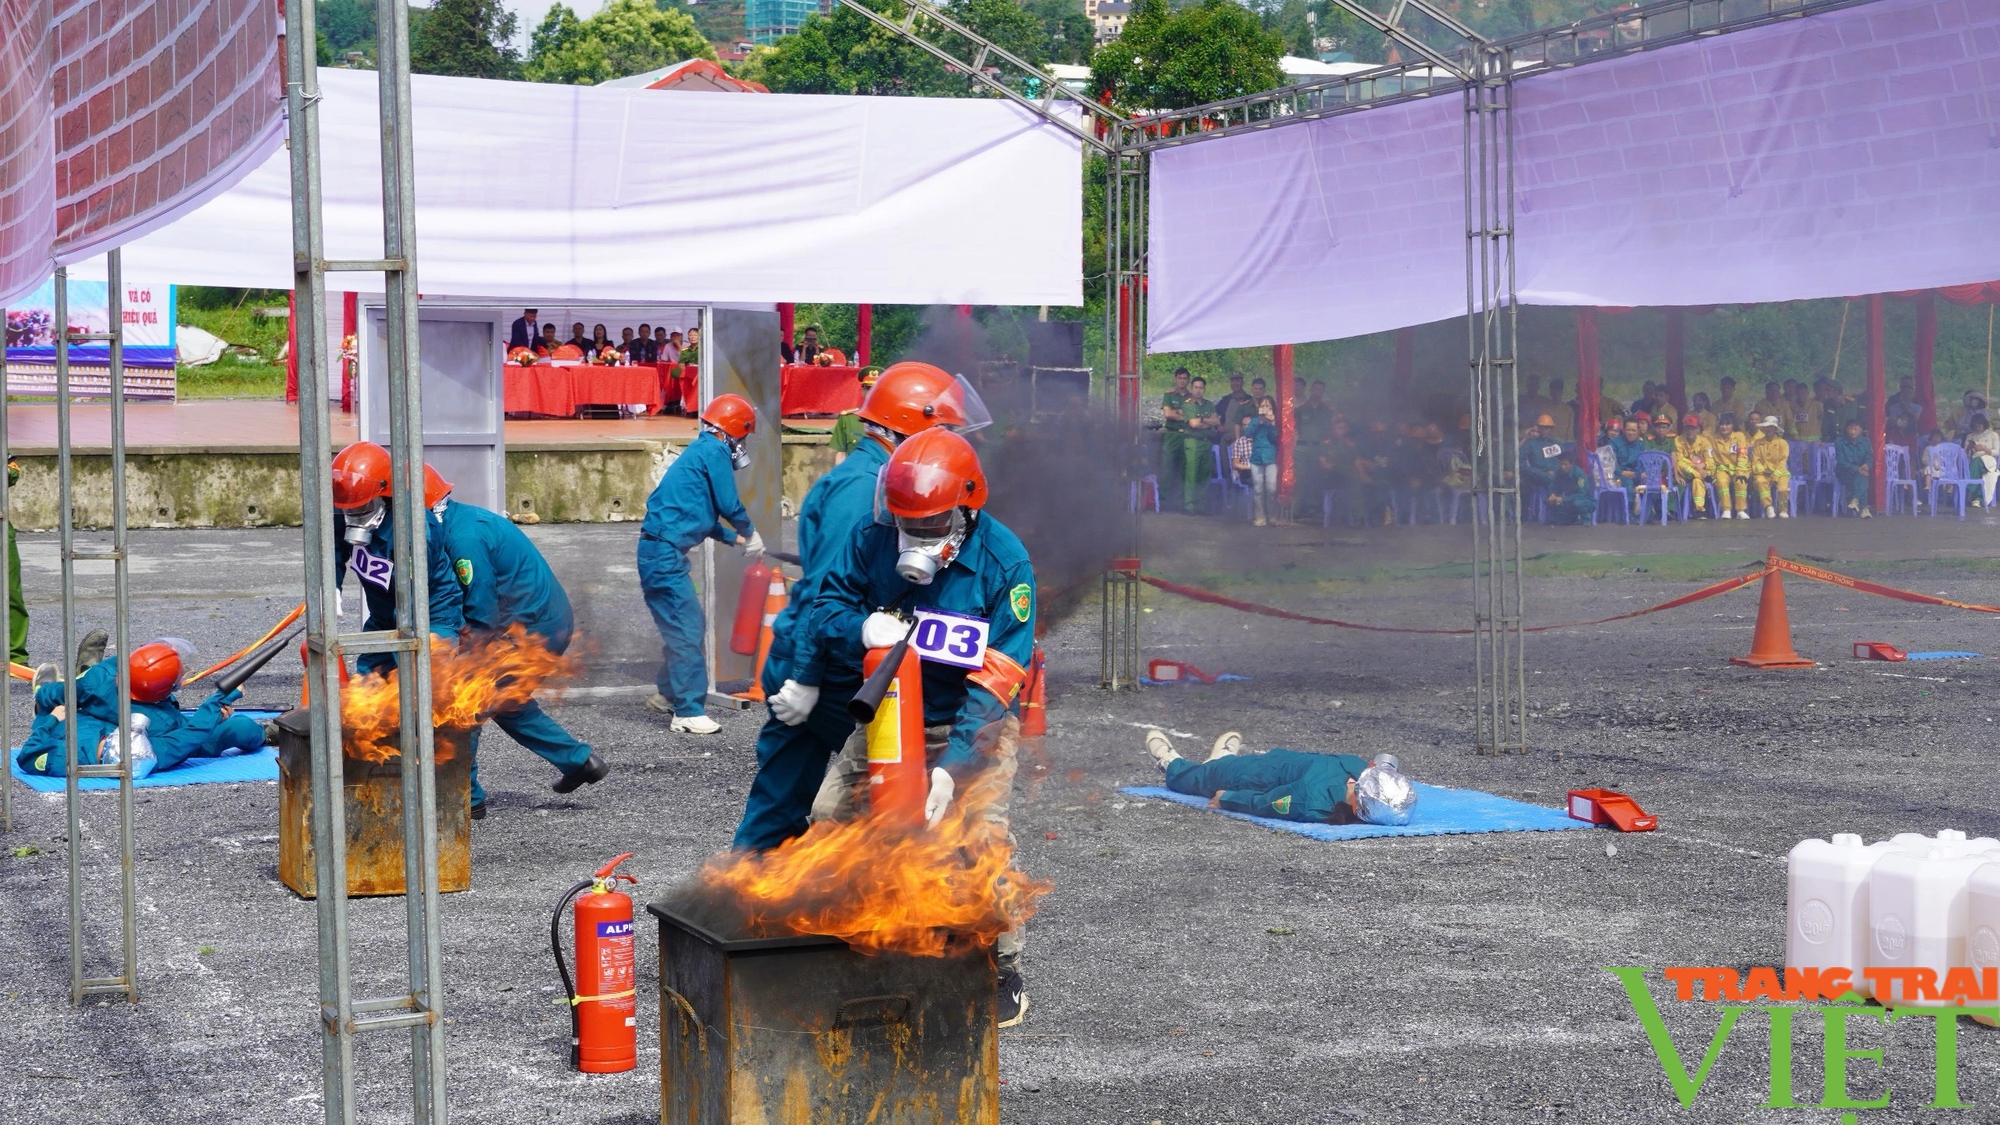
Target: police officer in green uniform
(1203,426)
(17,604)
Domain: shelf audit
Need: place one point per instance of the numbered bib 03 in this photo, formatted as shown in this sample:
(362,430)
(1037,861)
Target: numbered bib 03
(956,639)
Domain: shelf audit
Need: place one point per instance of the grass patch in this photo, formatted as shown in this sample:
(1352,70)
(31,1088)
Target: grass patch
(232,376)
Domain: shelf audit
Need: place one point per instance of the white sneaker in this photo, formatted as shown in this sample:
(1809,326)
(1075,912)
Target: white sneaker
(1783,514)
(1226,746)
(1158,746)
(1771,513)
(694,724)
(1726,514)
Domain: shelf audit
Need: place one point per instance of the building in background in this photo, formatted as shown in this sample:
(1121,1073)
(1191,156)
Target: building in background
(1107,17)
(691,74)
(768,21)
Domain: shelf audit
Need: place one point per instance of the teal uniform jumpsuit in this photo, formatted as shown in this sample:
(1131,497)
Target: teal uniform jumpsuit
(792,760)
(506,581)
(694,498)
(1280,784)
(373,567)
(176,735)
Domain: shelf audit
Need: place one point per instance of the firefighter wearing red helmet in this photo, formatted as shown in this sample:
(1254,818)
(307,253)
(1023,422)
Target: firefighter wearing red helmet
(933,548)
(696,499)
(154,671)
(364,542)
(506,582)
(808,723)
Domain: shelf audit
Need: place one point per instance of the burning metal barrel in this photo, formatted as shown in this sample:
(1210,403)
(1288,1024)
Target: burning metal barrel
(803,1028)
(374,792)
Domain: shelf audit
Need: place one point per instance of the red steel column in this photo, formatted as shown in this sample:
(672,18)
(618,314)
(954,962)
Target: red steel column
(1281,366)
(1926,354)
(350,328)
(864,334)
(787,314)
(1676,364)
(1589,388)
(1128,372)
(1877,398)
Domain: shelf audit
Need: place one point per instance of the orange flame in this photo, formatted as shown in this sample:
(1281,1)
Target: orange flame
(887,888)
(468,683)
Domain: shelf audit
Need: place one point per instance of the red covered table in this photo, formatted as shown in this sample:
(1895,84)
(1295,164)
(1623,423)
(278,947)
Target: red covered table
(812,389)
(558,391)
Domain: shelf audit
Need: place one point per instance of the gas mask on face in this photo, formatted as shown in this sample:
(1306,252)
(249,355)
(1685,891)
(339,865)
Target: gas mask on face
(362,522)
(739,457)
(928,545)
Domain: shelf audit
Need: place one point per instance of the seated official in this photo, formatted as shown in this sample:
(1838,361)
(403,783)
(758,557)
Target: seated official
(1286,784)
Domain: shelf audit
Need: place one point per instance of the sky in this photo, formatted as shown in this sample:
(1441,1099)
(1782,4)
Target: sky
(529,14)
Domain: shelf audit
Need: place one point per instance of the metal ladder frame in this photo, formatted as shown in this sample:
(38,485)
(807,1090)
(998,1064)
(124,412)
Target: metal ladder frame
(127,981)
(419,1006)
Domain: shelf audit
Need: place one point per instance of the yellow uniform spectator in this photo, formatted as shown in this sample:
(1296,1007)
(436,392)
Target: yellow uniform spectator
(1770,458)
(1732,467)
(1695,462)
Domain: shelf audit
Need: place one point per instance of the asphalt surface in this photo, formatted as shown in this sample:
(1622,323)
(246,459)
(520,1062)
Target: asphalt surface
(1187,968)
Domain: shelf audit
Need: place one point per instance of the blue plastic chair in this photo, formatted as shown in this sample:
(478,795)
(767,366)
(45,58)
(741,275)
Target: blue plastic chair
(1230,487)
(1687,499)
(1455,495)
(1896,477)
(1656,481)
(1825,477)
(1950,468)
(1601,462)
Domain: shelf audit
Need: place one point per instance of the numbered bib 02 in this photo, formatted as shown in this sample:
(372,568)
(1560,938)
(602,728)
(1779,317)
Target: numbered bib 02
(957,639)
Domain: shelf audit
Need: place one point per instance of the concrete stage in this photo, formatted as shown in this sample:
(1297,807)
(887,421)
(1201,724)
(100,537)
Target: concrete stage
(235,463)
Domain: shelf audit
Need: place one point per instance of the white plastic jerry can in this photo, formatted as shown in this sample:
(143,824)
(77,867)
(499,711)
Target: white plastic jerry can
(1917,911)
(1982,924)
(1826,903)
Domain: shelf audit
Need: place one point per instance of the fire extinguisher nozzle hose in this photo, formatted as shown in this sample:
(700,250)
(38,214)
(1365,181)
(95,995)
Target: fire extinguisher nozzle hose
(866,701)
(562,968)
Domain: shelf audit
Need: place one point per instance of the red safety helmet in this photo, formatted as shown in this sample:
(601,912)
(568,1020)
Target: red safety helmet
(436,488)
(931,474)
(154,671)
(360,474)
(732,414)
(909,398)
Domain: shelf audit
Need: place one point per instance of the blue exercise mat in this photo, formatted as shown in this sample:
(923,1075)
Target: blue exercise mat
(1221,678)
(260,766)
(1439,812)
(1944,656)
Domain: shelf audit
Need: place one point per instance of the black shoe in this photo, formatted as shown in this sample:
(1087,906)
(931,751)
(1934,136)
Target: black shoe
(589,773)
(1012,1005)
(90,650)
(479,811)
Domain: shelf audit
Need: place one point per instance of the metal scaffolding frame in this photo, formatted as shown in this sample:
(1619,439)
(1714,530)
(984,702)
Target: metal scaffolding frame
(75,771)
(417,1004)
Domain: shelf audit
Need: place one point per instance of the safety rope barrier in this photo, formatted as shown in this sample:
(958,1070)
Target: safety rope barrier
(1772,563)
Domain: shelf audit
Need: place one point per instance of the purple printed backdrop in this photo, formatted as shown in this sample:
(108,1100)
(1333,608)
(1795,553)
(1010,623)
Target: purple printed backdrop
(1848,153)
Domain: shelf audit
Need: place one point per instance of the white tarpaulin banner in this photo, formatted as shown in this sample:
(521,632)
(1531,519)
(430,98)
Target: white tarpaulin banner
(529,191)
(1851,152)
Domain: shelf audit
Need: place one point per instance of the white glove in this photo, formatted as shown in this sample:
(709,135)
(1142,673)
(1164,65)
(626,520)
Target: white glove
(754,546)
(339,603)
(942,787)
(794,702)
(882,630)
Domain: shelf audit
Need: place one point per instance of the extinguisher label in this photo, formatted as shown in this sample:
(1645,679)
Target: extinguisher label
(885,730)
(614,964)
(614,929)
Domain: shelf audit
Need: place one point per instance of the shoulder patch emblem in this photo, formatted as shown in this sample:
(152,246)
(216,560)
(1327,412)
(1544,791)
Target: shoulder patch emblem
(463,568)
(1022,599)
(1282,804)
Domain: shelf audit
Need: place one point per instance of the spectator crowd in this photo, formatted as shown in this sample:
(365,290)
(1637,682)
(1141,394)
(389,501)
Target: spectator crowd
(644,344)
(1799,448)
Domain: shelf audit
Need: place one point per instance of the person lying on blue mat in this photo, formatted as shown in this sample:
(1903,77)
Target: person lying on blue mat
(211,731)
(1289,784)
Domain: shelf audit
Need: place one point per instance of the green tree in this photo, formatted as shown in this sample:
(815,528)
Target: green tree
(846,53)
(349,25)
(464,39)
(1169,59)
(625,37)
(1067,36)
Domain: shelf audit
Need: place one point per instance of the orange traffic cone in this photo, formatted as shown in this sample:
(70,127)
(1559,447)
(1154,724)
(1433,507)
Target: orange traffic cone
(775,600)
(1771,644)
(1034,702)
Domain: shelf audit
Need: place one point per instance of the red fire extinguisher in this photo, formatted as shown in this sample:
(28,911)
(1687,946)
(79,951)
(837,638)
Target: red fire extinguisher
(603,1020)
(893,697)
(750,608)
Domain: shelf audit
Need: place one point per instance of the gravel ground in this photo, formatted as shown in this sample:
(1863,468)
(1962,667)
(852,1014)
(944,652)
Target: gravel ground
(1187,968)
